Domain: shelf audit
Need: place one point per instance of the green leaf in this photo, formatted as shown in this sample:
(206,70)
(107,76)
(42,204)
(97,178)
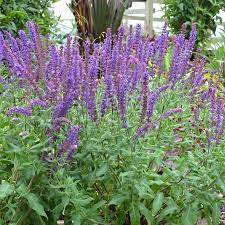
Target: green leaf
(189,216)
(97,205)
(118,199)
(6,189)
(134,215)
(2,16)
(167,211)
(157,203)
(121,216)
(221,184)
(102,170)
(76,218)
(146,213)
(216,213)
(35,204)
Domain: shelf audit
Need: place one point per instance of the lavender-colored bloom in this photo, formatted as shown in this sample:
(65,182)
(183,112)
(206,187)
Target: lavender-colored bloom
(107,96)
(149,51)
(26,111)
(32,31)
(129,45)
(137,37)
(120,36)
(53,63)
(141,131)
(171,112)
(38,102)
(1,47)
(36,45)
(137,71)
(204,96)
(162,43)
(70,144)
(182,53)
(223,208)
(23,38)
(212,98)
(13,42)
(61,109)
(144,95)
(196,114)
(59,121)
(92,84)
(154,95)
(73,140)
(208,138)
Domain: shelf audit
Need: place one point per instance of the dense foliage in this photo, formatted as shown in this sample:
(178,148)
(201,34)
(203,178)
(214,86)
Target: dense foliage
(93,17)
(15,13)
(216,55)
(203,13)
(132,133)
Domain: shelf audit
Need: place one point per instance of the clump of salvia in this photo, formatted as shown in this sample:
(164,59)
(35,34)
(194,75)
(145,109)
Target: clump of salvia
(119,70)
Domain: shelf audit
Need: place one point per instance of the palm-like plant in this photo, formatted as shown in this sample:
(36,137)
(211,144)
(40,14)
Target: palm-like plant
(93,17)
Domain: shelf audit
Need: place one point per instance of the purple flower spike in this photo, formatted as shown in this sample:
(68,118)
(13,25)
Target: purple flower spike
(171,112)
(70,145)
(20,111)
(1,47)
(38,102)
(141,131)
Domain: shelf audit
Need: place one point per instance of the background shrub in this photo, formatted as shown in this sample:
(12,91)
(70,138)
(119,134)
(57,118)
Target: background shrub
(15,13)
(203,13)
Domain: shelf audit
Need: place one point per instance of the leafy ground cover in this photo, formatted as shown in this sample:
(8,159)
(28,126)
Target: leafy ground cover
(128,132)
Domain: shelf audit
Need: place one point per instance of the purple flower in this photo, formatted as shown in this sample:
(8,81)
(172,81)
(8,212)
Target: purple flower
(92,84)
(26,111)
(162,43)
(61,109)
(212,98)
(141,131)
(69,146)
(171,112)
(182,53)
(1,47)
(153,98)
(144,95)
(38,102)
(137,37)
(13,42)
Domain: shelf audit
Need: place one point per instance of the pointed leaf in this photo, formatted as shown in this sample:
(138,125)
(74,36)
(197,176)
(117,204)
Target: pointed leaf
(118,199)
(146,213)
(216,214)
(76,218)
(35,204)
(167,211)
(121,216)
(221,184)
(6,189)
(189,216)
(157,203)
(134,215)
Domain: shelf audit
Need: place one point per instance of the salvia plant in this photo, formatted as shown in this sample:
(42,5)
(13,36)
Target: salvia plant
(130,131)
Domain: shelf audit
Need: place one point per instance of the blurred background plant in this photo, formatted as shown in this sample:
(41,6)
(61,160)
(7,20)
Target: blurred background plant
(93,17)
(203,13)
(216,57)
(15,13)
